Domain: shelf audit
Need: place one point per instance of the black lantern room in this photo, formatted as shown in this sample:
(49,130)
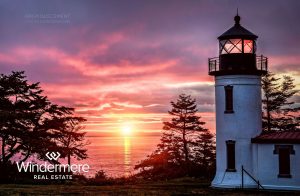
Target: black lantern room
(237,53)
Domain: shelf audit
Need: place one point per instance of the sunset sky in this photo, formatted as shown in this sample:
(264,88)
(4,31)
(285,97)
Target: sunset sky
(120,62)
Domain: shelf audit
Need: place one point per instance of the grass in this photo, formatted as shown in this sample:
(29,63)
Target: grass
(174,187)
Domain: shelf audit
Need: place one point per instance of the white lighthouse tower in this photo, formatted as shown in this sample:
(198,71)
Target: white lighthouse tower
(237,73)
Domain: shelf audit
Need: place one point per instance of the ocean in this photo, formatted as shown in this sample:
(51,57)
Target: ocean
(117,155)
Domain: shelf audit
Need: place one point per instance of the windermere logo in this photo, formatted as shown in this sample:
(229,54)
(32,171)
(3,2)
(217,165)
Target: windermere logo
(47,171)
(53,155)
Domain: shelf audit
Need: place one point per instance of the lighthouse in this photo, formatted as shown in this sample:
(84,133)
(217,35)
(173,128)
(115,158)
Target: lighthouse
(237,72)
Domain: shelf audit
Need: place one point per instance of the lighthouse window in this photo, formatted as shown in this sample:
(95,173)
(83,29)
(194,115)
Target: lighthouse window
(231,46)
(248,46)
(230,144)
(284,152)
(228,99)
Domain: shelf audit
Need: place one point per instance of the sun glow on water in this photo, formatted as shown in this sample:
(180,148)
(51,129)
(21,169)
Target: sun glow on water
(127,156)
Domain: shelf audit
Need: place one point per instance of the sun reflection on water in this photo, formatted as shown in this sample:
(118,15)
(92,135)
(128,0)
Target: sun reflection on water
(127,156)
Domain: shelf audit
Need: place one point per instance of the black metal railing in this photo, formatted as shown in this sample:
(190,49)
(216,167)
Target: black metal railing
(256,181)
(262,63)
(213,64)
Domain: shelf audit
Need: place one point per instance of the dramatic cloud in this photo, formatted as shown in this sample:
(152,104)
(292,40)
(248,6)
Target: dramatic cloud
(118,61)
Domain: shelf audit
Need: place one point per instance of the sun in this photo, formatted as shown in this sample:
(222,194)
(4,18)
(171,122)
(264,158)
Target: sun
(126,129)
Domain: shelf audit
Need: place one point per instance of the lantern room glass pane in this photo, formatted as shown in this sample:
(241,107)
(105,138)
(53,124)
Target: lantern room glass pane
(228,46)
(222,49)
(231,46)
(248,46)
(237,46)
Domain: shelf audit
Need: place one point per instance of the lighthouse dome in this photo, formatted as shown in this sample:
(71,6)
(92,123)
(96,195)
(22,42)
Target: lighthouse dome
(237,31)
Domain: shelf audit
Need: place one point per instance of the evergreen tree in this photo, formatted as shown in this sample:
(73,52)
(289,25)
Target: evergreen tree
(72,140)
(170,146)
(270,101)
(288,118)
(205,150)
(279,113)
(29,122)
(185,124)
(183,140)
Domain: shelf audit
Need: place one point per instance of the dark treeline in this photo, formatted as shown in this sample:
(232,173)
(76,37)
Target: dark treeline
(30,125)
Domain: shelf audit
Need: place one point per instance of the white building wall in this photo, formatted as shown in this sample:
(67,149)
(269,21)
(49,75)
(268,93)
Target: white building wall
(240,126)
(268,167)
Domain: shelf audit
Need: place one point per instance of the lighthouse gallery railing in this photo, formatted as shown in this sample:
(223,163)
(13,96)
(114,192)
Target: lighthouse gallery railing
(261,63)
